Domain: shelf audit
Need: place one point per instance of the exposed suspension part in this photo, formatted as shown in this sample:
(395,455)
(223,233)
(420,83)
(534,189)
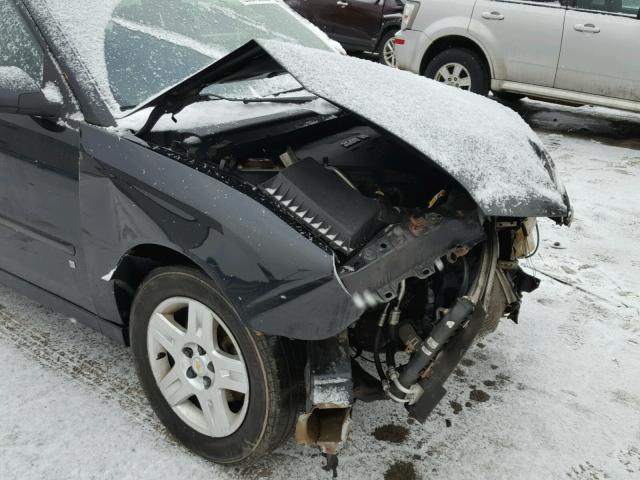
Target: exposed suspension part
(419,383)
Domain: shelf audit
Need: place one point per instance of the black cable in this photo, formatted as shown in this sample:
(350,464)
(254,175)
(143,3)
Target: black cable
(359,353)
(464,286)
(537,242)
(376,354)
(390,355)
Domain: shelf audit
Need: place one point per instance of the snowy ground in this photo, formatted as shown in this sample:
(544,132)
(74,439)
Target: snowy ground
(555,397)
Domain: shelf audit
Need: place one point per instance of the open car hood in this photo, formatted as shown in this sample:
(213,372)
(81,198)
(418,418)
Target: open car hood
(484,146)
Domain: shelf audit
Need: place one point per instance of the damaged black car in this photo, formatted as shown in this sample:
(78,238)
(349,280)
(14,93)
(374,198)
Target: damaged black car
(217,185)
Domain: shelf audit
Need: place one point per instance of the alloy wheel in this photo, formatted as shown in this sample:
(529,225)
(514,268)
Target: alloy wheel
(389,53)
(198,367)
(454,75)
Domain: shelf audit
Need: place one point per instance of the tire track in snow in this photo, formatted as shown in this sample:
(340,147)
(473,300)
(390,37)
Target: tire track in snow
(587,471)
(630,459)
(106,370)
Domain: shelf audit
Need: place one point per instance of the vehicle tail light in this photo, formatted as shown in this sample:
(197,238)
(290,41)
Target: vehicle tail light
(409,15)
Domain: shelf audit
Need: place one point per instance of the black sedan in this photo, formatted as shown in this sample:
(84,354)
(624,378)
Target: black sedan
(255,213)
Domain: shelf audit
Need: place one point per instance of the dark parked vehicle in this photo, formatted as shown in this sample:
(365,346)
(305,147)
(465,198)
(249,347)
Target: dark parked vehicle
(249,220)
(359,25)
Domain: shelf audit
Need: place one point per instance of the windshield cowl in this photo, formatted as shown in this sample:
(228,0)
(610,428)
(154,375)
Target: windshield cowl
(221,115)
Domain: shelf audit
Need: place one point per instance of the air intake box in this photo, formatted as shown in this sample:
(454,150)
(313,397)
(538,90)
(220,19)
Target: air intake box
(357,148)
(326,204)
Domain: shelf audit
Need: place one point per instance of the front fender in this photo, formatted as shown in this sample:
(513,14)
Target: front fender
(279,281)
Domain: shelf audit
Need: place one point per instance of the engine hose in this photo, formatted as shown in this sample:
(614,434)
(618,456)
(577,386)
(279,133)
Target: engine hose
(394,320)
(376,355)
(391,356)
(377,344)
(455,317)
(440,335)
(465,277)
(392,332)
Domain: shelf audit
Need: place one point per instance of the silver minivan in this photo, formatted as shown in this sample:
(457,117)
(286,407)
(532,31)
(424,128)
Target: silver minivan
(574,51)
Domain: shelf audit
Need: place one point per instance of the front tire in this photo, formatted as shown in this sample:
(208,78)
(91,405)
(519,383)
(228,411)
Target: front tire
(460,68)
(226,393)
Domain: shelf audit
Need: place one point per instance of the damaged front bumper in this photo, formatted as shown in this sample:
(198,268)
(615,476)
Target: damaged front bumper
(332,376)
(416,248)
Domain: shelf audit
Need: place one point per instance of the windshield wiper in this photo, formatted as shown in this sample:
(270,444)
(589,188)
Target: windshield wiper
(296,100)
(277,94)
(173,106)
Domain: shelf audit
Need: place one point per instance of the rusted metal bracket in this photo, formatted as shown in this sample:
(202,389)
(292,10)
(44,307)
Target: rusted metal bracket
(326,422)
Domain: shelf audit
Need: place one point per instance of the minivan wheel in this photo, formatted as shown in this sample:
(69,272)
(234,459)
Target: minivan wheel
(460,68)
(226,393)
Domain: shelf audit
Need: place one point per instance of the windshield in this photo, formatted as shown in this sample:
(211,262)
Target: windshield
(136,48)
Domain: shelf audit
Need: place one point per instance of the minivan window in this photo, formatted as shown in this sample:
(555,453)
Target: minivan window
(625,7)
(551,3)
(18,48)
(631,7)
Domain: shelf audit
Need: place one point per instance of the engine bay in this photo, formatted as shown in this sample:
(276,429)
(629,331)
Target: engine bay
(341,180)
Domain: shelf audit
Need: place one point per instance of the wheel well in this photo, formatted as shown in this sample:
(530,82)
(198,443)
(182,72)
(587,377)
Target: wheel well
(385,30)
(454,41)
(134,267)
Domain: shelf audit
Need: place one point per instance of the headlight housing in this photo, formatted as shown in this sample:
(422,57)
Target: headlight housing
(409,14)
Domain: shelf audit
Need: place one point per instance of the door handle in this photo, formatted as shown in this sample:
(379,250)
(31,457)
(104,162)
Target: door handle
(587,28)
(342,4)
(492,16)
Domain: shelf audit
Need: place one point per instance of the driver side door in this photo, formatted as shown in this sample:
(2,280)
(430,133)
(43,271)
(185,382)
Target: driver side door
(318,12)
(40,232)
(356,23)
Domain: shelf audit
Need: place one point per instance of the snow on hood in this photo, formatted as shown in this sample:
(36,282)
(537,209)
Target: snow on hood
(485,146)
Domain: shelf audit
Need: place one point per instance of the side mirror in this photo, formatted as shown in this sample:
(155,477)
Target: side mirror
(19,93)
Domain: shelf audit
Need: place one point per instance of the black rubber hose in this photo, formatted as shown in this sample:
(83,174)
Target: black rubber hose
(440,335)
(465,276)
(391,356)
(376,353)
(377,344)
(390,352)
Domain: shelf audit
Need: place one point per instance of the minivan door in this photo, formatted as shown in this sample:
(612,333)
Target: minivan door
(600,49)
(523,38)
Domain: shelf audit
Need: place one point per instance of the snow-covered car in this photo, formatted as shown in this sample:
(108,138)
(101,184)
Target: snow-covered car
(254,216)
